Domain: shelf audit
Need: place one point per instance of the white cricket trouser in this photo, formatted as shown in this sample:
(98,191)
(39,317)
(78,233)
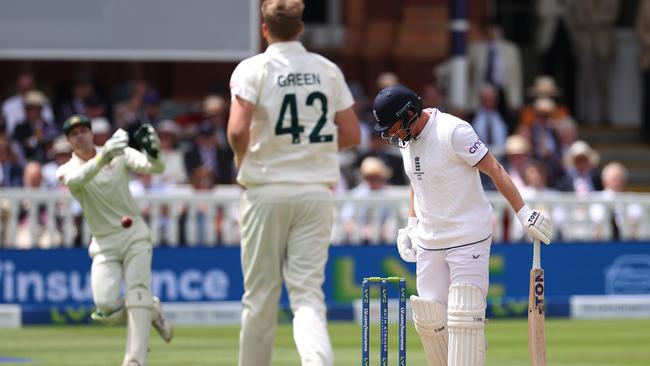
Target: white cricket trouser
(437,270)
(127,255)
(286,231)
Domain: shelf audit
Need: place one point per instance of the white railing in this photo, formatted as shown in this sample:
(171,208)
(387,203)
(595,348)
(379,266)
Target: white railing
(51,218)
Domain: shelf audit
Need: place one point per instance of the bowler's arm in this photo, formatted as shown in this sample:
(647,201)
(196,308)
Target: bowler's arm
(347,124)
(239,122)
(491,167)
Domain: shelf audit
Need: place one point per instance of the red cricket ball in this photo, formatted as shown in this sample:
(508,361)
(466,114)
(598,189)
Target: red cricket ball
(126,221)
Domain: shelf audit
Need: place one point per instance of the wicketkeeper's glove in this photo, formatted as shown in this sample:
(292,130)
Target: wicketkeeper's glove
(536,224)
(404,244)
(147,137)
(113,147)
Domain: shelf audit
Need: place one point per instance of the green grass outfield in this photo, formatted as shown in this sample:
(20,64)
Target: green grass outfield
(569,342)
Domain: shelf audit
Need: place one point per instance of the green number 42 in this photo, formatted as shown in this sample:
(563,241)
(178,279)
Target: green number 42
(294,129)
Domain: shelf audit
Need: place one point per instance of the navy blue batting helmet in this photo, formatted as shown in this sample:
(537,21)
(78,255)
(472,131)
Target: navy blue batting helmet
(393,104)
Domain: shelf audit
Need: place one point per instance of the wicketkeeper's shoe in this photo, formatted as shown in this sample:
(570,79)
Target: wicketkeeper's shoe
(162,325)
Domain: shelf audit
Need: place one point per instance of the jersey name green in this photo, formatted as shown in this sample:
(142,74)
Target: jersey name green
(298,79)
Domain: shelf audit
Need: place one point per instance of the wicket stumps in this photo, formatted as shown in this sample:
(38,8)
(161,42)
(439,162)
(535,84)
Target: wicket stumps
(383,319)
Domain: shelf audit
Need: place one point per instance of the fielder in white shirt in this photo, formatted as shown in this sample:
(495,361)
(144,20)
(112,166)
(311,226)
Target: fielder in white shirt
(291,113)
(449,231)
(98,178)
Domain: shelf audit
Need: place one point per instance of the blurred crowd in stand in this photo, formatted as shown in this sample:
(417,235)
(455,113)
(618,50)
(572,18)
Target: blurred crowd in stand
(531,129)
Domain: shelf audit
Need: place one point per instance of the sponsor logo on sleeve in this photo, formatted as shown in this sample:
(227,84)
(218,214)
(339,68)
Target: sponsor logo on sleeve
(474,148)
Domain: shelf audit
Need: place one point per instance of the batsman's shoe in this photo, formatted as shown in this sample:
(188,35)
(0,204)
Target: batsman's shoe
(162,325)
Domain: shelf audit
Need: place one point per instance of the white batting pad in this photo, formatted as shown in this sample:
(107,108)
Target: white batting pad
(466,325)
(137,335)
(139,308)
(311,337)
(430,318)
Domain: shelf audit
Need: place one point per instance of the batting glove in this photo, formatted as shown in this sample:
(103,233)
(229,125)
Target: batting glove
(113,147)
(536,224)
(404,244)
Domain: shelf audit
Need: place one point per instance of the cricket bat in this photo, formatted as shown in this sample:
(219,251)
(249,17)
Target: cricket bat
(536,340)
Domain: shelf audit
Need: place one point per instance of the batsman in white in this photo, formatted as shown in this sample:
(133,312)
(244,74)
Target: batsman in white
(291,112)
(449,228)
(98,178)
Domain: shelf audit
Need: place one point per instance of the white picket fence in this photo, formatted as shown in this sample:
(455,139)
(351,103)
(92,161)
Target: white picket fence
(51,218)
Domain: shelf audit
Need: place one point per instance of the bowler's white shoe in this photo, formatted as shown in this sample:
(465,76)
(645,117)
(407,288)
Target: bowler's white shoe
(162,325)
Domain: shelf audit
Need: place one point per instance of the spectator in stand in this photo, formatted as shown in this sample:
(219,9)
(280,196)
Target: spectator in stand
(150,112)
(215,111)
(488,122)
(617,221)
(432,95)
(32,221)
(593,25)
(496,61)
(127,112)
(383,150)
(643,34)
(102,130)
(367,223)
(201,180)
(151,108)
(11,172)
(60,152)
(517,158)
(94,106)
(13,109)
(176,172)
(143,184)
(536,180)
(33,134)
(206,152)
(544,86)
(82,88)
(581,164)
(567,133)
(386,79)
(545,142)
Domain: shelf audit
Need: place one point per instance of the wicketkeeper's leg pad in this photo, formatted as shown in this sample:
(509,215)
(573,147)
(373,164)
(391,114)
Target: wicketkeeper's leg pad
(466,325)
(430,318)
(139,306)
(115,317)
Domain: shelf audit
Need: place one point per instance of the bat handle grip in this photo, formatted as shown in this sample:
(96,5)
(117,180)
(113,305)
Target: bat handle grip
(537,256)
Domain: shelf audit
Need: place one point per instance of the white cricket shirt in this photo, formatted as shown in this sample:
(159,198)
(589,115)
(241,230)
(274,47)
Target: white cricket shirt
(293,136)
(449,200)
(106,198)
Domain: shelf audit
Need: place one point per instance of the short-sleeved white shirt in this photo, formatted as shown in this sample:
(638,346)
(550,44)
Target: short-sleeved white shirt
(449,200)
(293,136)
